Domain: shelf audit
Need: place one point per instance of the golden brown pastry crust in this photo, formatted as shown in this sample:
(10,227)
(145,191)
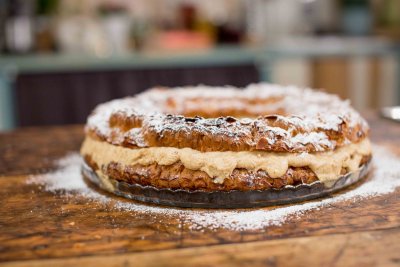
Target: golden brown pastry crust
(313,122)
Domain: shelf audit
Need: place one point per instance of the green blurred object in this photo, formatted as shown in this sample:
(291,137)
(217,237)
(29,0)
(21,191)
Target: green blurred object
(46,7)
(355,2)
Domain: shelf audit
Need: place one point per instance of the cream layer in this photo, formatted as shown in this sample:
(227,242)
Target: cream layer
(219,165)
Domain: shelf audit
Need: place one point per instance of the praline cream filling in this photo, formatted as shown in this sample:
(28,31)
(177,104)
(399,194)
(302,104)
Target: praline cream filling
(219,165)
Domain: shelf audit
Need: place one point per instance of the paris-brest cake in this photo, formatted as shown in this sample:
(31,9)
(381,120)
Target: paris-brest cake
(224,146)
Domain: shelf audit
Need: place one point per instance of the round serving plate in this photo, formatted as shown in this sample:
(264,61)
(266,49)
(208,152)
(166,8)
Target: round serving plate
(221,199)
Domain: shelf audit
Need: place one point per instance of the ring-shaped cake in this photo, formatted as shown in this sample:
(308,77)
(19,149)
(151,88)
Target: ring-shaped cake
(226,147)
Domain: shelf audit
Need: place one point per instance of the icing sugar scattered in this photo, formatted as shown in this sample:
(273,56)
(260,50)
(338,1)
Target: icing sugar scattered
(316,138)
(313,111)
(67,181)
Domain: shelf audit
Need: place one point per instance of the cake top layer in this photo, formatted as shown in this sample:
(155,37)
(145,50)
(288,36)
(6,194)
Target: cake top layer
(261,117)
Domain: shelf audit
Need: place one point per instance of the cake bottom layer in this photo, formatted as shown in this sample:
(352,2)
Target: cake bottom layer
(177,176)
(223,199)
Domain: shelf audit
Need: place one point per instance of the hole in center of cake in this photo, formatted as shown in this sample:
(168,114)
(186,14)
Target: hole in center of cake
(226,107)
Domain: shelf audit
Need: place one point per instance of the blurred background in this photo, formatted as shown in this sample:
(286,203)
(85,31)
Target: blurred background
(59,58)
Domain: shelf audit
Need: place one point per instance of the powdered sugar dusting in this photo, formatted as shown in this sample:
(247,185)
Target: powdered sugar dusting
(307,111)
(67,181)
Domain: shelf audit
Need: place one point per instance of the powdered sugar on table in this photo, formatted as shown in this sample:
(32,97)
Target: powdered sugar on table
(67,181)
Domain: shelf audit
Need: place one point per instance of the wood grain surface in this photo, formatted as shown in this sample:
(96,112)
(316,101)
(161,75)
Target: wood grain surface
(39,228)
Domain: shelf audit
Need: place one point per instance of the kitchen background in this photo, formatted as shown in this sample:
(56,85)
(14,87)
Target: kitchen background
(60,58)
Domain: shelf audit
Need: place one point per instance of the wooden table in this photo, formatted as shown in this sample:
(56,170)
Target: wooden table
(39,228)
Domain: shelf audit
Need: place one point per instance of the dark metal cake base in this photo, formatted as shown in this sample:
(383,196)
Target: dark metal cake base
(221,199)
